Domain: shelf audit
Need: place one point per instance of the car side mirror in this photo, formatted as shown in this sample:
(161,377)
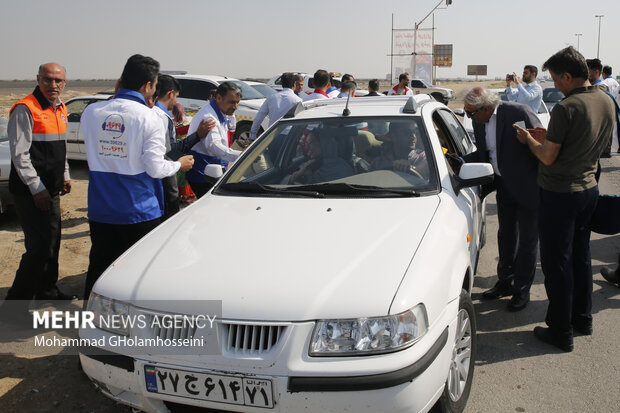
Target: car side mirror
(214,171)
(74,117)
(474,174)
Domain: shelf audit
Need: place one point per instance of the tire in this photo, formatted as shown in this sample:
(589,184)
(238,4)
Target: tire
(458,384)
(243,130)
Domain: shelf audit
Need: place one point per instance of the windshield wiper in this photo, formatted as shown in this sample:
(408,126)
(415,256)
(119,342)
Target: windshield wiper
(257,188)
(343,188)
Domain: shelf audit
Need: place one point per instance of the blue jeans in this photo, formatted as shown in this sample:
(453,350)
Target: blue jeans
(564,227)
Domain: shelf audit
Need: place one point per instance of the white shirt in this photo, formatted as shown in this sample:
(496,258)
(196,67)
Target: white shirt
(315,95)
(490,130)
(613,86)
(275,106)
(216,142)
(530,94)
(394,91)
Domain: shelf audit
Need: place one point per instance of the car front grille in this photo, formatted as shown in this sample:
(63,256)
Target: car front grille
(237,338)
(250,339)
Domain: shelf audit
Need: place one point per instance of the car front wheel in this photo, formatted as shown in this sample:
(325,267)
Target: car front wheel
(460,376)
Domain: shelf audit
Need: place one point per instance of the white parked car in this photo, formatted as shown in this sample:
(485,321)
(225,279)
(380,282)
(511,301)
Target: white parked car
(196,91)
(543,114)
(5,167)
(440,94)
(349,287)
(75,133)
(262,88)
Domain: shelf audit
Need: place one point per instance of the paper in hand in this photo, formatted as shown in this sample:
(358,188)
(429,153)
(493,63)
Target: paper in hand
(520,124)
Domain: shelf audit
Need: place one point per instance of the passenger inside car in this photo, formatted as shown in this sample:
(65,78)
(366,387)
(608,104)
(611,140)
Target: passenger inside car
(324,164)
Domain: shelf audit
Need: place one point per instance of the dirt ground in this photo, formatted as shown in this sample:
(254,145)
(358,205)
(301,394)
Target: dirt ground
(55,383)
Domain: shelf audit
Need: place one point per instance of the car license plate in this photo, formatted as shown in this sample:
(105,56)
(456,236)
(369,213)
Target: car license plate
(249,391)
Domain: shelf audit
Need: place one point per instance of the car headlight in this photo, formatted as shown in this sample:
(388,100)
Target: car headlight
(109,314)
(373,335)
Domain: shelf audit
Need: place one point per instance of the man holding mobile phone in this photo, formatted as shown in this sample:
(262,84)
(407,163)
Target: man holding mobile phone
(529,93)
(578,132)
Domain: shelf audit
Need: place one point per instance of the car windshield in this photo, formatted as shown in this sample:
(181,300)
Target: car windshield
(552,95)
(247,91)
(264,90)
(379,156)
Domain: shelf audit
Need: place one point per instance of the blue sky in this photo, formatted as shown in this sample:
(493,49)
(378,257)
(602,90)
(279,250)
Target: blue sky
(258,38)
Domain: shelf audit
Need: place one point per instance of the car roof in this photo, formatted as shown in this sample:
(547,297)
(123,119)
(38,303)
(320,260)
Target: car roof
(99,96)
(212,78)
(360,106)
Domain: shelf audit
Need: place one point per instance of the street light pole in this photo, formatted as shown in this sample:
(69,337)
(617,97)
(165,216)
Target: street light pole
(599,33)
(417,25)
(578,36)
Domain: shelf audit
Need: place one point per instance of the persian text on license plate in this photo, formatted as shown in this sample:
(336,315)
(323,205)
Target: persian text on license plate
(247,391)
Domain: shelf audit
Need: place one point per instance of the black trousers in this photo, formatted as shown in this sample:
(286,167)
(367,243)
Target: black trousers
(517,239)
(38,268)
(565,257)
(171,196)
(110,241)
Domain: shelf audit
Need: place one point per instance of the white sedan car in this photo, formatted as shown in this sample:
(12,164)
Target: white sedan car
(334,262)
(75,134)
(5,166)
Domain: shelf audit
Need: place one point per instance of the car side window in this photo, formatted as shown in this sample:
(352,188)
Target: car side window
(75,109)
(196,89)
(454,131)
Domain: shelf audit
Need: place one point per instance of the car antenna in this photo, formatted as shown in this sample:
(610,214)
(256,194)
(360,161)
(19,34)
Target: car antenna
(346,111)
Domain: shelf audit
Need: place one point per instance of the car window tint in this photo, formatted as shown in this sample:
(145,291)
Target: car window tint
(334,150)
(451,132)
(247,91)
(264,90)
(196,89)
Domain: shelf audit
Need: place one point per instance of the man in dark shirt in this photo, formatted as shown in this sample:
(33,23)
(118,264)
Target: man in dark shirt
(578,131)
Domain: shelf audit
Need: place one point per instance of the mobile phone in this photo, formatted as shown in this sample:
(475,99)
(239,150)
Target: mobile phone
(511,77)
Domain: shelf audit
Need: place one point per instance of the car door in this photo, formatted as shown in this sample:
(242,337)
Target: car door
(75,134)
(457,142)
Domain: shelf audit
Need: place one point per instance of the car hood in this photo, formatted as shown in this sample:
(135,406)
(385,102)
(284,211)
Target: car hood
(281,259)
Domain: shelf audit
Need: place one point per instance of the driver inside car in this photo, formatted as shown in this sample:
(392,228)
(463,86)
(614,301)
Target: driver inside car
(399,151)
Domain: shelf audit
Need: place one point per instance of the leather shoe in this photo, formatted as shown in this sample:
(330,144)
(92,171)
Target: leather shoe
(54,294)
(544,334)
(610,276)
(499,290)
(582,325)
(518,301)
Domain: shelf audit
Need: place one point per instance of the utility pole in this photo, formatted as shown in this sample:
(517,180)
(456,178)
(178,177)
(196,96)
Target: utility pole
(417,25)
(599,17)
(578,36)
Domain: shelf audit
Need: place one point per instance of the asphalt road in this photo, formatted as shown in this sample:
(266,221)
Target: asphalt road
(515,372)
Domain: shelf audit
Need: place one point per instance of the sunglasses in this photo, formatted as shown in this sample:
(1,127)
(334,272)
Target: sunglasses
(473,112)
